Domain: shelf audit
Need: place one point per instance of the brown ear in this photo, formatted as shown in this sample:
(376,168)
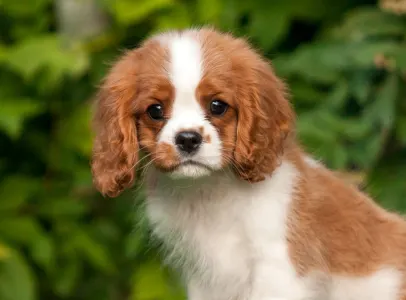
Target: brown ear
(265,120)
(115,150)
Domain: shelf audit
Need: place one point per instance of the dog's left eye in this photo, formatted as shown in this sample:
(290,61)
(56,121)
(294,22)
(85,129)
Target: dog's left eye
(156,112)
(218,107)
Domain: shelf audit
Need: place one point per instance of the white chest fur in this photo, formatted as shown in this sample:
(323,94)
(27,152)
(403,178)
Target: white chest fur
(228,236)
(229,239)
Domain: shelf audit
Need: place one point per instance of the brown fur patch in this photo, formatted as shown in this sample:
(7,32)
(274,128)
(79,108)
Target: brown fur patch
(335,228)
(260,119)
(134,83)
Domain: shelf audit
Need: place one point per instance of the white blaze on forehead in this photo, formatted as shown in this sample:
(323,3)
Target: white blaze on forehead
(185,62)
(185,72)
(185,69)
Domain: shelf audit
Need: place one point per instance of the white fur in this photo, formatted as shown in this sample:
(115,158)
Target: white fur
(312,162)
(382,285)
(185,72)
(226,235)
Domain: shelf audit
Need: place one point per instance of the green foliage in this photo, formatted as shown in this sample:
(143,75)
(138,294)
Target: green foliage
(344,61)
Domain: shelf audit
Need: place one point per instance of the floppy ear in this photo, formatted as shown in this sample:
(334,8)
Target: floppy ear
(115,149)
(265,120)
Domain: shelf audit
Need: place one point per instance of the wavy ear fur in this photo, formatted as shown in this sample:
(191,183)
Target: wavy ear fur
(115,150)
(265,120)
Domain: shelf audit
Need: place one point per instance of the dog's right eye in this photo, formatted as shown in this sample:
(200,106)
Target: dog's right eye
(156,112)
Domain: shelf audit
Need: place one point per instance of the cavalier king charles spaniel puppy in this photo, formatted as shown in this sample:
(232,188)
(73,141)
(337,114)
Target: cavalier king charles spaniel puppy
(241,209)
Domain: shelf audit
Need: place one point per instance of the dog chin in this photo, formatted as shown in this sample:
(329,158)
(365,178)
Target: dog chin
(190,171)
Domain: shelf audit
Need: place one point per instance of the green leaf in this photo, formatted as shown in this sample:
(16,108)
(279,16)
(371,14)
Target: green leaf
(356,129)
(15,191)
(209,10)
(305,93)
(4,252)
(23,8)
(313,10)
(383,109)
(134,243)
(74,131)
(39,53)
(67,277)
(269,25)
(14,112)
(91,249)
(365,22)
(150,282)
(21,230)
(43,253)
(338,95)
(177,17)
(230,17)
(364,54)
(360,86)
(399,56)
(387,183)
(128,12)
(321,62)
(3,53)
(400,130)
(368,153)
(62,207)
(16,278)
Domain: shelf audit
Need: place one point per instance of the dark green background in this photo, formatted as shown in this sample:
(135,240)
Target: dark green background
(345,61)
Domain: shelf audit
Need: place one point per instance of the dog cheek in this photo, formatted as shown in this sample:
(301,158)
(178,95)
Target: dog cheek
(165,156)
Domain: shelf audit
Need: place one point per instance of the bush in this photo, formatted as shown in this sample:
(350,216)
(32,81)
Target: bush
(345,62)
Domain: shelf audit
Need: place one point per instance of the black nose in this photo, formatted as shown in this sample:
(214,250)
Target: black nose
(188,141)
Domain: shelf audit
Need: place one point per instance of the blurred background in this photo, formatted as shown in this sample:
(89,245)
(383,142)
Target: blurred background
(345,62)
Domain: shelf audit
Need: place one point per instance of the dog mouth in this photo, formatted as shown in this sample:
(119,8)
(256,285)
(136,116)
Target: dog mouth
(188,168)
(190,162)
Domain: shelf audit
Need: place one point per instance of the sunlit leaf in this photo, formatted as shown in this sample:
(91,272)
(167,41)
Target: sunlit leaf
(46,53)
(4,251)
(150,282)
(16,278)
(128,11)
(209,10)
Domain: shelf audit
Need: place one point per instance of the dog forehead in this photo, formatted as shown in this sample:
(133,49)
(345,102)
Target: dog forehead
(184,70)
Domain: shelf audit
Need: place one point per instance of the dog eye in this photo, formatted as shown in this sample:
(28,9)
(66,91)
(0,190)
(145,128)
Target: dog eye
(156,112)
(218,107)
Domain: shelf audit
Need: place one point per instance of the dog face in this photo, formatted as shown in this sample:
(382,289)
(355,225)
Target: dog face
(195,102)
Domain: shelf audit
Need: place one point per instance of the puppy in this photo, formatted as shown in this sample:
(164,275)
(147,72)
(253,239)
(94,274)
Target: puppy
(241,209)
